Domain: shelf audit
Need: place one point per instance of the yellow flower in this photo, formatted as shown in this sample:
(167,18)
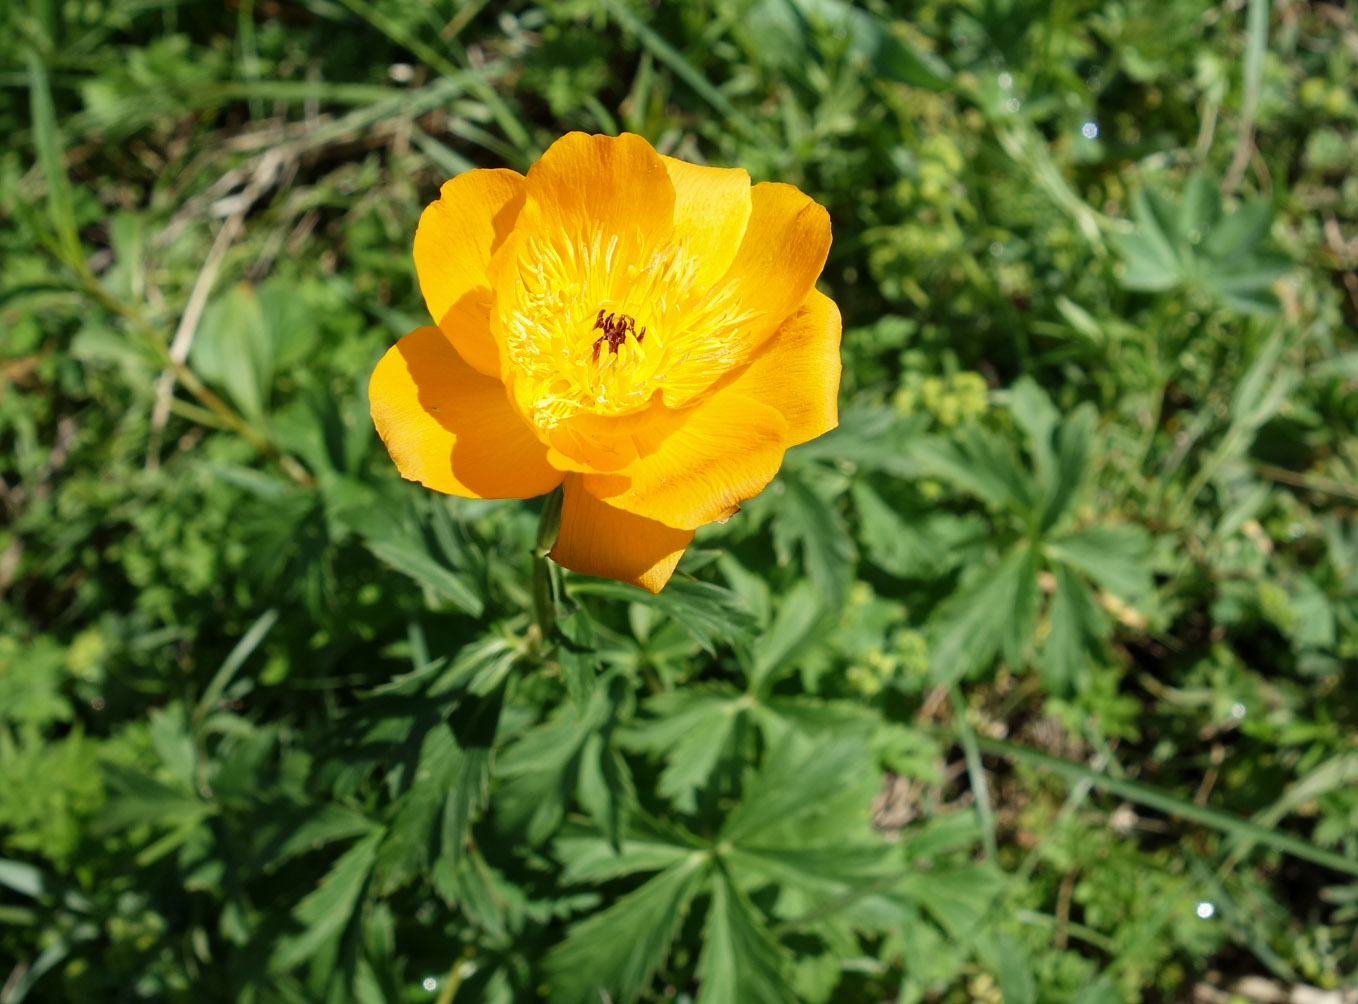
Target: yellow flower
(643,331)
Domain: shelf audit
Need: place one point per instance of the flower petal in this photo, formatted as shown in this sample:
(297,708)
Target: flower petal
(797,370)
(617,186)
(599,539)
(454,242)
(784,250)
(452,429)
(711,211)
(782,253)
(710,457)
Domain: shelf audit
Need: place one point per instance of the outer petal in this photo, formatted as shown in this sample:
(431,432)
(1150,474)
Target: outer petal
(776,266)
(599,539)
(782,255)
(713,457)
(454,242)
(711,211)
(614,185)
(450,428)
(797,370)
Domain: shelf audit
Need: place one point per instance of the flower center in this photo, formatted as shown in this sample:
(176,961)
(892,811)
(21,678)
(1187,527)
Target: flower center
(573,296)
(616,328)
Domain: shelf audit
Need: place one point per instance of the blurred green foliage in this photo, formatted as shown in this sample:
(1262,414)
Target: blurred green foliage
(1034,681)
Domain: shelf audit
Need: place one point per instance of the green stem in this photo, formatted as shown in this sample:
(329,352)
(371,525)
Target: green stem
(544,607)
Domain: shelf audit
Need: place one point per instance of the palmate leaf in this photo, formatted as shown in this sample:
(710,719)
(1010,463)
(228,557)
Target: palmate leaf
(788,29)
(691,729)
(800,777)
(473,724)
(605,786)
(871,437)
(1074,445)
(922,546)
(976,461)
(648,846)
(711,614)
(823,872)
(740,963)
(812,522)
(233,349)
(545,765)
(1115,557)
(406,851)
(995,609)
(449,786)
(326,912)
(1076,633)
(620,949)
(285,836)
(799,623)
(1060,448)
(960,898)
(408,554)
(1192,243)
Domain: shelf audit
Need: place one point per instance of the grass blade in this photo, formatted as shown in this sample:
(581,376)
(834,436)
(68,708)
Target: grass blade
(47,142)
(1153,798)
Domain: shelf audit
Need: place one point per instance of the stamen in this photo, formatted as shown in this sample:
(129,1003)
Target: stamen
(616,328)
(691,328)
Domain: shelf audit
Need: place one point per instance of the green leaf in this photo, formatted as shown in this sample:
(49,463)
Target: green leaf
(813,522)
(618,950)
(1013,970)
(407,849)
(1143,794)
(740,963)
(800,777)
(1146,265)
(979,463)
(326,911)
(1116,557)
(1158,218)
(316,829)
(233,348)
(870,38)
(541,769)
(1236,235)
(1199,207)
(960,899)
(233,662)
(708,612)
(692,728)
(292,320)
(577,655)
(992,609)
(605,786)
(824,871)
(474,724)
(47,141)
(142,799)
(1246,285)
(1074,446)
(1262,388)
(408,554)
(28,880)
(588,859)
(1060,448)
(909,549)
(801,618)
(1038,418)
(1076,631)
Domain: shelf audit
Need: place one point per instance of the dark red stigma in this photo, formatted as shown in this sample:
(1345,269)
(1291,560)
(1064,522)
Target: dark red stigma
(616,328)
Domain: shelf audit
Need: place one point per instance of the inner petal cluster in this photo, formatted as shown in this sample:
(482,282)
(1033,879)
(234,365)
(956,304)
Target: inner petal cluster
(604,324)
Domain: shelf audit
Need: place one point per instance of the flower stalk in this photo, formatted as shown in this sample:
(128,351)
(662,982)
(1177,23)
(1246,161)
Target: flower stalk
(544,604)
